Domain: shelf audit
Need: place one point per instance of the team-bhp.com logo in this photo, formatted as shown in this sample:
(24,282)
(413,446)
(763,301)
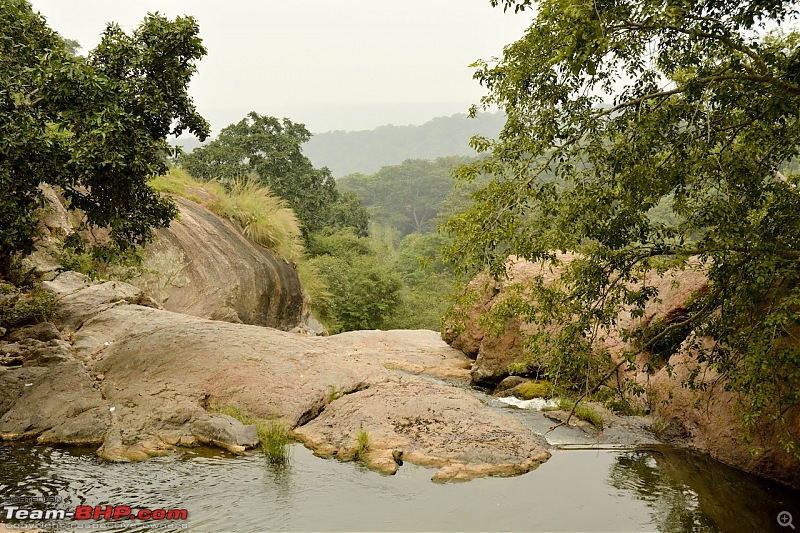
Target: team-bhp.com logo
(96,512)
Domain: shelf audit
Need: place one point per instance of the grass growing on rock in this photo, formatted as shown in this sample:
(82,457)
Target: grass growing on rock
(582,412)
(333,394)
(178,182)
(273,435)
(362,445)
(262,216)
(274,438)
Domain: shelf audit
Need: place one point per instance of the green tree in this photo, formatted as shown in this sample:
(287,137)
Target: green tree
(348,212)
(96,126)
(271,150)
(614,107)
(408,196)
(364,291)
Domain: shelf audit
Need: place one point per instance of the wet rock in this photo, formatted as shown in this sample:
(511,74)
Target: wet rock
(706,420)
(710,421)
(162,372)
(505,386)
(57,403)
(494,353)
(563,417)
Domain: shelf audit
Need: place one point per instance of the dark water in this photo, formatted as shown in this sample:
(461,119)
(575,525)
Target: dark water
(577,490)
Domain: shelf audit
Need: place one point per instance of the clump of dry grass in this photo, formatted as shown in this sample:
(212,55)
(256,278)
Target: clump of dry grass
(263,217)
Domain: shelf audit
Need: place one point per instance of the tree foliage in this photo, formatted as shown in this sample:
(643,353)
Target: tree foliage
(408,196)
(95,126)
(616,108)
(364,290)
(271,150)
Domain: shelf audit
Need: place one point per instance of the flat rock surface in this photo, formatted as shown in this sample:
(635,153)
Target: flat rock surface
(431,424)
(413,351)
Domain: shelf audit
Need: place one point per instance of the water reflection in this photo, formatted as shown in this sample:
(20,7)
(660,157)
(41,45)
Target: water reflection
(691,492)
(675,507)
(577,490)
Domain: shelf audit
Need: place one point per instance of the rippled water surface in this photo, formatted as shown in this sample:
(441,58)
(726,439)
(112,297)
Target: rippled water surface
(577,490)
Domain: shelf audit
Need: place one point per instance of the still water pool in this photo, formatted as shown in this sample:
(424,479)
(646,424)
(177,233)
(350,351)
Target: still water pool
(660,489)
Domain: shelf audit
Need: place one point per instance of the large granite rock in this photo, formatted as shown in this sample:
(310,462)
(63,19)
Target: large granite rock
(203,266)
(709,419)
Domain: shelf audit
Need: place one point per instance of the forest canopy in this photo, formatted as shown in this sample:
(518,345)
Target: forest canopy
(617,108)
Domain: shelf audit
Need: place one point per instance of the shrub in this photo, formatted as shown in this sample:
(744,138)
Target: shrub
(24,307)
(364,293)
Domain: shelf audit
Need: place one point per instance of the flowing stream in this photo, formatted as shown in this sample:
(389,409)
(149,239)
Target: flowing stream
(659,489)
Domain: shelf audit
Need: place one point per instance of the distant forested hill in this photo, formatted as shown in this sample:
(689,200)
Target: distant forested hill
(346,152)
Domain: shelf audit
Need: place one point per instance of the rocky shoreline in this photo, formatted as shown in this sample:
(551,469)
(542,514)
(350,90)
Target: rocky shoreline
(138,381)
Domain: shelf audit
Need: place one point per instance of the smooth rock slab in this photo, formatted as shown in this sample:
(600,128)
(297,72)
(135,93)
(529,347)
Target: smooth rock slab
(432,424)
(226,432)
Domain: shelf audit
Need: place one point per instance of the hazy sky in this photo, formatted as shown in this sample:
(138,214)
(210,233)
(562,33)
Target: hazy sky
(332,64)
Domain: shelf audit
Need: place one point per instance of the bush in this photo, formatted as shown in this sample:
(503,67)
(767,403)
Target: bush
(364,293)
(101,261)
(22,308)
(423,304)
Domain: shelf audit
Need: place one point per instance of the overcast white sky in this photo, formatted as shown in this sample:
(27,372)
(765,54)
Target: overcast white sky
(331,64)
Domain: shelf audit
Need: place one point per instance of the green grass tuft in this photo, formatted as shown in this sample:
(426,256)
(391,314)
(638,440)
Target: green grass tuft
(264,218)
(582,411)
(275,441)
(178,183)
(333,394)
(362,446)
(272,434)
